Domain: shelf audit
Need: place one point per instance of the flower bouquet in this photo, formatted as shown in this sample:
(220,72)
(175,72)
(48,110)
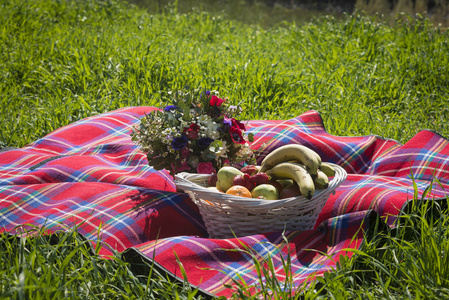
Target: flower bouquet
(198,133)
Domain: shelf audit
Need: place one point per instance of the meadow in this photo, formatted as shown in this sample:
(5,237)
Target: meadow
(61,61)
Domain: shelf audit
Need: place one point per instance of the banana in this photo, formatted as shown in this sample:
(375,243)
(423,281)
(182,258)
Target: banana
(303,154)
(321,180)
(327,169)
(297,172)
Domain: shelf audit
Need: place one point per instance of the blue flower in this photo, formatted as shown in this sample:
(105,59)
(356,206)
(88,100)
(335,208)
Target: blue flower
(203,143)
(207,94)
(170,107)
(179,143)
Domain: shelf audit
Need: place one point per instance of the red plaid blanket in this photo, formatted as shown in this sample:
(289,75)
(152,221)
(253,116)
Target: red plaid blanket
(89,174)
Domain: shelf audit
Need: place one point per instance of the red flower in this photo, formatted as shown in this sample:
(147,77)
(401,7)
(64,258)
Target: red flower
(185,152)
(238,124)
(194,126)
(205,168)
(215,101)
(236,135)
(192,131)
(191,135)
(180,167)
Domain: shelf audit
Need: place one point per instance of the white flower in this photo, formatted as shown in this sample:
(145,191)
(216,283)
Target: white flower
(211,129)
(167,139)
(221,151)
(232,109)
(244,152)
(204,119)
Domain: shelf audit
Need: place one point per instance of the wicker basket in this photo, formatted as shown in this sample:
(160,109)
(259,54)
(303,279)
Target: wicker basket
(226,216)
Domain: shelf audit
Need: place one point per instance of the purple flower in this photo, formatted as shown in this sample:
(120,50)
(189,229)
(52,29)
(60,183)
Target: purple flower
(203,143)
(207,93)
(169,107)
(227,123)
(179,143)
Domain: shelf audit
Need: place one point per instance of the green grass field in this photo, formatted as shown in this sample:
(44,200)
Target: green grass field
(61,61)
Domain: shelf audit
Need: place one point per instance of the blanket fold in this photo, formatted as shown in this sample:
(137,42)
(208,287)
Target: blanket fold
(89,174)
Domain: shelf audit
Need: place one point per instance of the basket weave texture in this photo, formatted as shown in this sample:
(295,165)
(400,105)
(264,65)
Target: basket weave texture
(226,216)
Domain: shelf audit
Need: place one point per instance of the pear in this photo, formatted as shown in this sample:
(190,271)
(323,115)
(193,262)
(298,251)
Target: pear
(225,177)
(265,191)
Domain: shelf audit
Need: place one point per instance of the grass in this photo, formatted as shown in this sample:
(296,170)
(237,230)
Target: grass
(243,11)
(65,266)
(61,61)
(116,55)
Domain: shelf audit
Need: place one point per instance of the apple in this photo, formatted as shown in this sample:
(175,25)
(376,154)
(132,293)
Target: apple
(225,177)
(290,191)
(265,191)
(260,178)
(244,180)
(212,180)
(249,169)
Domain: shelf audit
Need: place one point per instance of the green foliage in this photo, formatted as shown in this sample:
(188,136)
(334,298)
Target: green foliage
(61,61)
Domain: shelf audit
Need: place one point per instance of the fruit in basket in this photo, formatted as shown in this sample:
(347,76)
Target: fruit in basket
(327,169)
(212,180)
(321,180)
(260,178)
(276,184)
(250,169)
(290,191)
(244,180)
(292,152)
(285,182)
(239,190)
(265,191)
(225,177)
(297,172)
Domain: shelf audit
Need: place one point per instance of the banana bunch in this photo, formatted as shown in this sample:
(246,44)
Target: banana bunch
(301,164)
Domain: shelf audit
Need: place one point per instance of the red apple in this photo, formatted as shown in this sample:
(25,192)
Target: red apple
(244,180)
(212,180)
(249,169)
(260,178)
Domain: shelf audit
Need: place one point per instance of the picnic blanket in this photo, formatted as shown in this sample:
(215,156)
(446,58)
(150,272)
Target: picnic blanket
(89,174)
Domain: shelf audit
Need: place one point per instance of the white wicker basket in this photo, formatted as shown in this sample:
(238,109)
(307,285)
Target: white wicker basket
(226,216)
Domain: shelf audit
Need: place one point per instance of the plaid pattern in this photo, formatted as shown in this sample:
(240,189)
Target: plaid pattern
(90,175)
(210,264)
